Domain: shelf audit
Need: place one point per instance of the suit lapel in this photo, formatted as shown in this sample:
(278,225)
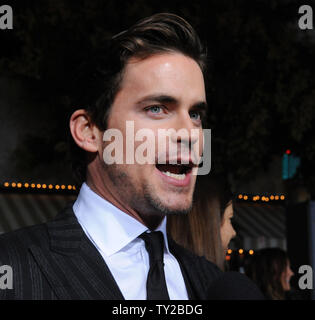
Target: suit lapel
(188,270)
(72,265)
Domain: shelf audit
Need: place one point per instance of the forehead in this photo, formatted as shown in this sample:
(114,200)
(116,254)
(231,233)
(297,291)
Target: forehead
(167,73)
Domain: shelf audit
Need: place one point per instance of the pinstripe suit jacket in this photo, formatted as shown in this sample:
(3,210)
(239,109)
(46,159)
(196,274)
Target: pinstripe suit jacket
(56,260)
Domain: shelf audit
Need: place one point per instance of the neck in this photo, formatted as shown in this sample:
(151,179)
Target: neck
(105,191)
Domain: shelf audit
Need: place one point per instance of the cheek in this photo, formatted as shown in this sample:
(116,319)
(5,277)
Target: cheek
(232,231)
(223,234)
(201,139)
(284,281)
(198,147)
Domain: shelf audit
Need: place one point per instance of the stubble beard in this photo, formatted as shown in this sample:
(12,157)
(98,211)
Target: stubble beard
(158,205)
(145,202)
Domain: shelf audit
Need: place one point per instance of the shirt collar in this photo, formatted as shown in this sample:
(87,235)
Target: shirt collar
(107,226)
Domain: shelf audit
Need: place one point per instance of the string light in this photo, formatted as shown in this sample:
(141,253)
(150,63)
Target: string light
(263,198)
(69,187)
(33,185)
(239,251)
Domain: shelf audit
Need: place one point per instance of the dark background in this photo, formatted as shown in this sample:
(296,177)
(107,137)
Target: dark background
(261,91)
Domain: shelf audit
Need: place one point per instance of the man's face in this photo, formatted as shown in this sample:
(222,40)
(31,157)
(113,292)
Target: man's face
(164,91)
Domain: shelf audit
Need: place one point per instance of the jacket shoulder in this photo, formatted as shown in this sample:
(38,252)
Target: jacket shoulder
(14,253)
(20,240)
(189,255)
(16,243)
(201,271)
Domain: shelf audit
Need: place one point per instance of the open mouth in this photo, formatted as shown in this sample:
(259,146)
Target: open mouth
(176,171)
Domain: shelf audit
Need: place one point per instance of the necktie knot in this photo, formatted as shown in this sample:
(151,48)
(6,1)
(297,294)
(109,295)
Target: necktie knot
(154,244)
(156,284)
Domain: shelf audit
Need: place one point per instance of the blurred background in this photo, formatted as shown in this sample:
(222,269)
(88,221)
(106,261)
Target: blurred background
(261,94)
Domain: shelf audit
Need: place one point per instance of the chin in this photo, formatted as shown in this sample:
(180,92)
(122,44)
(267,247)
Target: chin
(167,202)
(181,207)
(180,202)
(178,211)
(167,208)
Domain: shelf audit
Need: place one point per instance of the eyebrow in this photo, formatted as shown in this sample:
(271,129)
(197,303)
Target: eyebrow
(162,98)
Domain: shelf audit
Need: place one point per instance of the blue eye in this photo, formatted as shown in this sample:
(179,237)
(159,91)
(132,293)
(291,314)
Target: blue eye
(155,109)
(195,115)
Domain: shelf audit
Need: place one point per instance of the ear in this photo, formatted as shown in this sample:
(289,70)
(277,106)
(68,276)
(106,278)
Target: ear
(84,132)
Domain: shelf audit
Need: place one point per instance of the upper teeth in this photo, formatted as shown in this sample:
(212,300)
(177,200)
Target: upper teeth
(174,175)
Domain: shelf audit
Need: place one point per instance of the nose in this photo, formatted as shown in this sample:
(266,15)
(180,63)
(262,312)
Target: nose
(291,273)
(185,131)
(233,233)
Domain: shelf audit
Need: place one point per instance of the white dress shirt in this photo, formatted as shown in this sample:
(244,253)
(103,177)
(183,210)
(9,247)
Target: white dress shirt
(115,235)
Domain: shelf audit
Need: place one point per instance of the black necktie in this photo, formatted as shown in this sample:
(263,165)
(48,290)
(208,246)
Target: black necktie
(156,284)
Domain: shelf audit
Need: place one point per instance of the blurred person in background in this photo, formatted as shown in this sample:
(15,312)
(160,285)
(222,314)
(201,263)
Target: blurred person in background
(207,230)
(270,269)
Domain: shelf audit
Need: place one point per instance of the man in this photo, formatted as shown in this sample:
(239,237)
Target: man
(151,77)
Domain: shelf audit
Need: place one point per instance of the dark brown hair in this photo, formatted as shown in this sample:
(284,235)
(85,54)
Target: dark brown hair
(100,78)
(266,268)
(199,231)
